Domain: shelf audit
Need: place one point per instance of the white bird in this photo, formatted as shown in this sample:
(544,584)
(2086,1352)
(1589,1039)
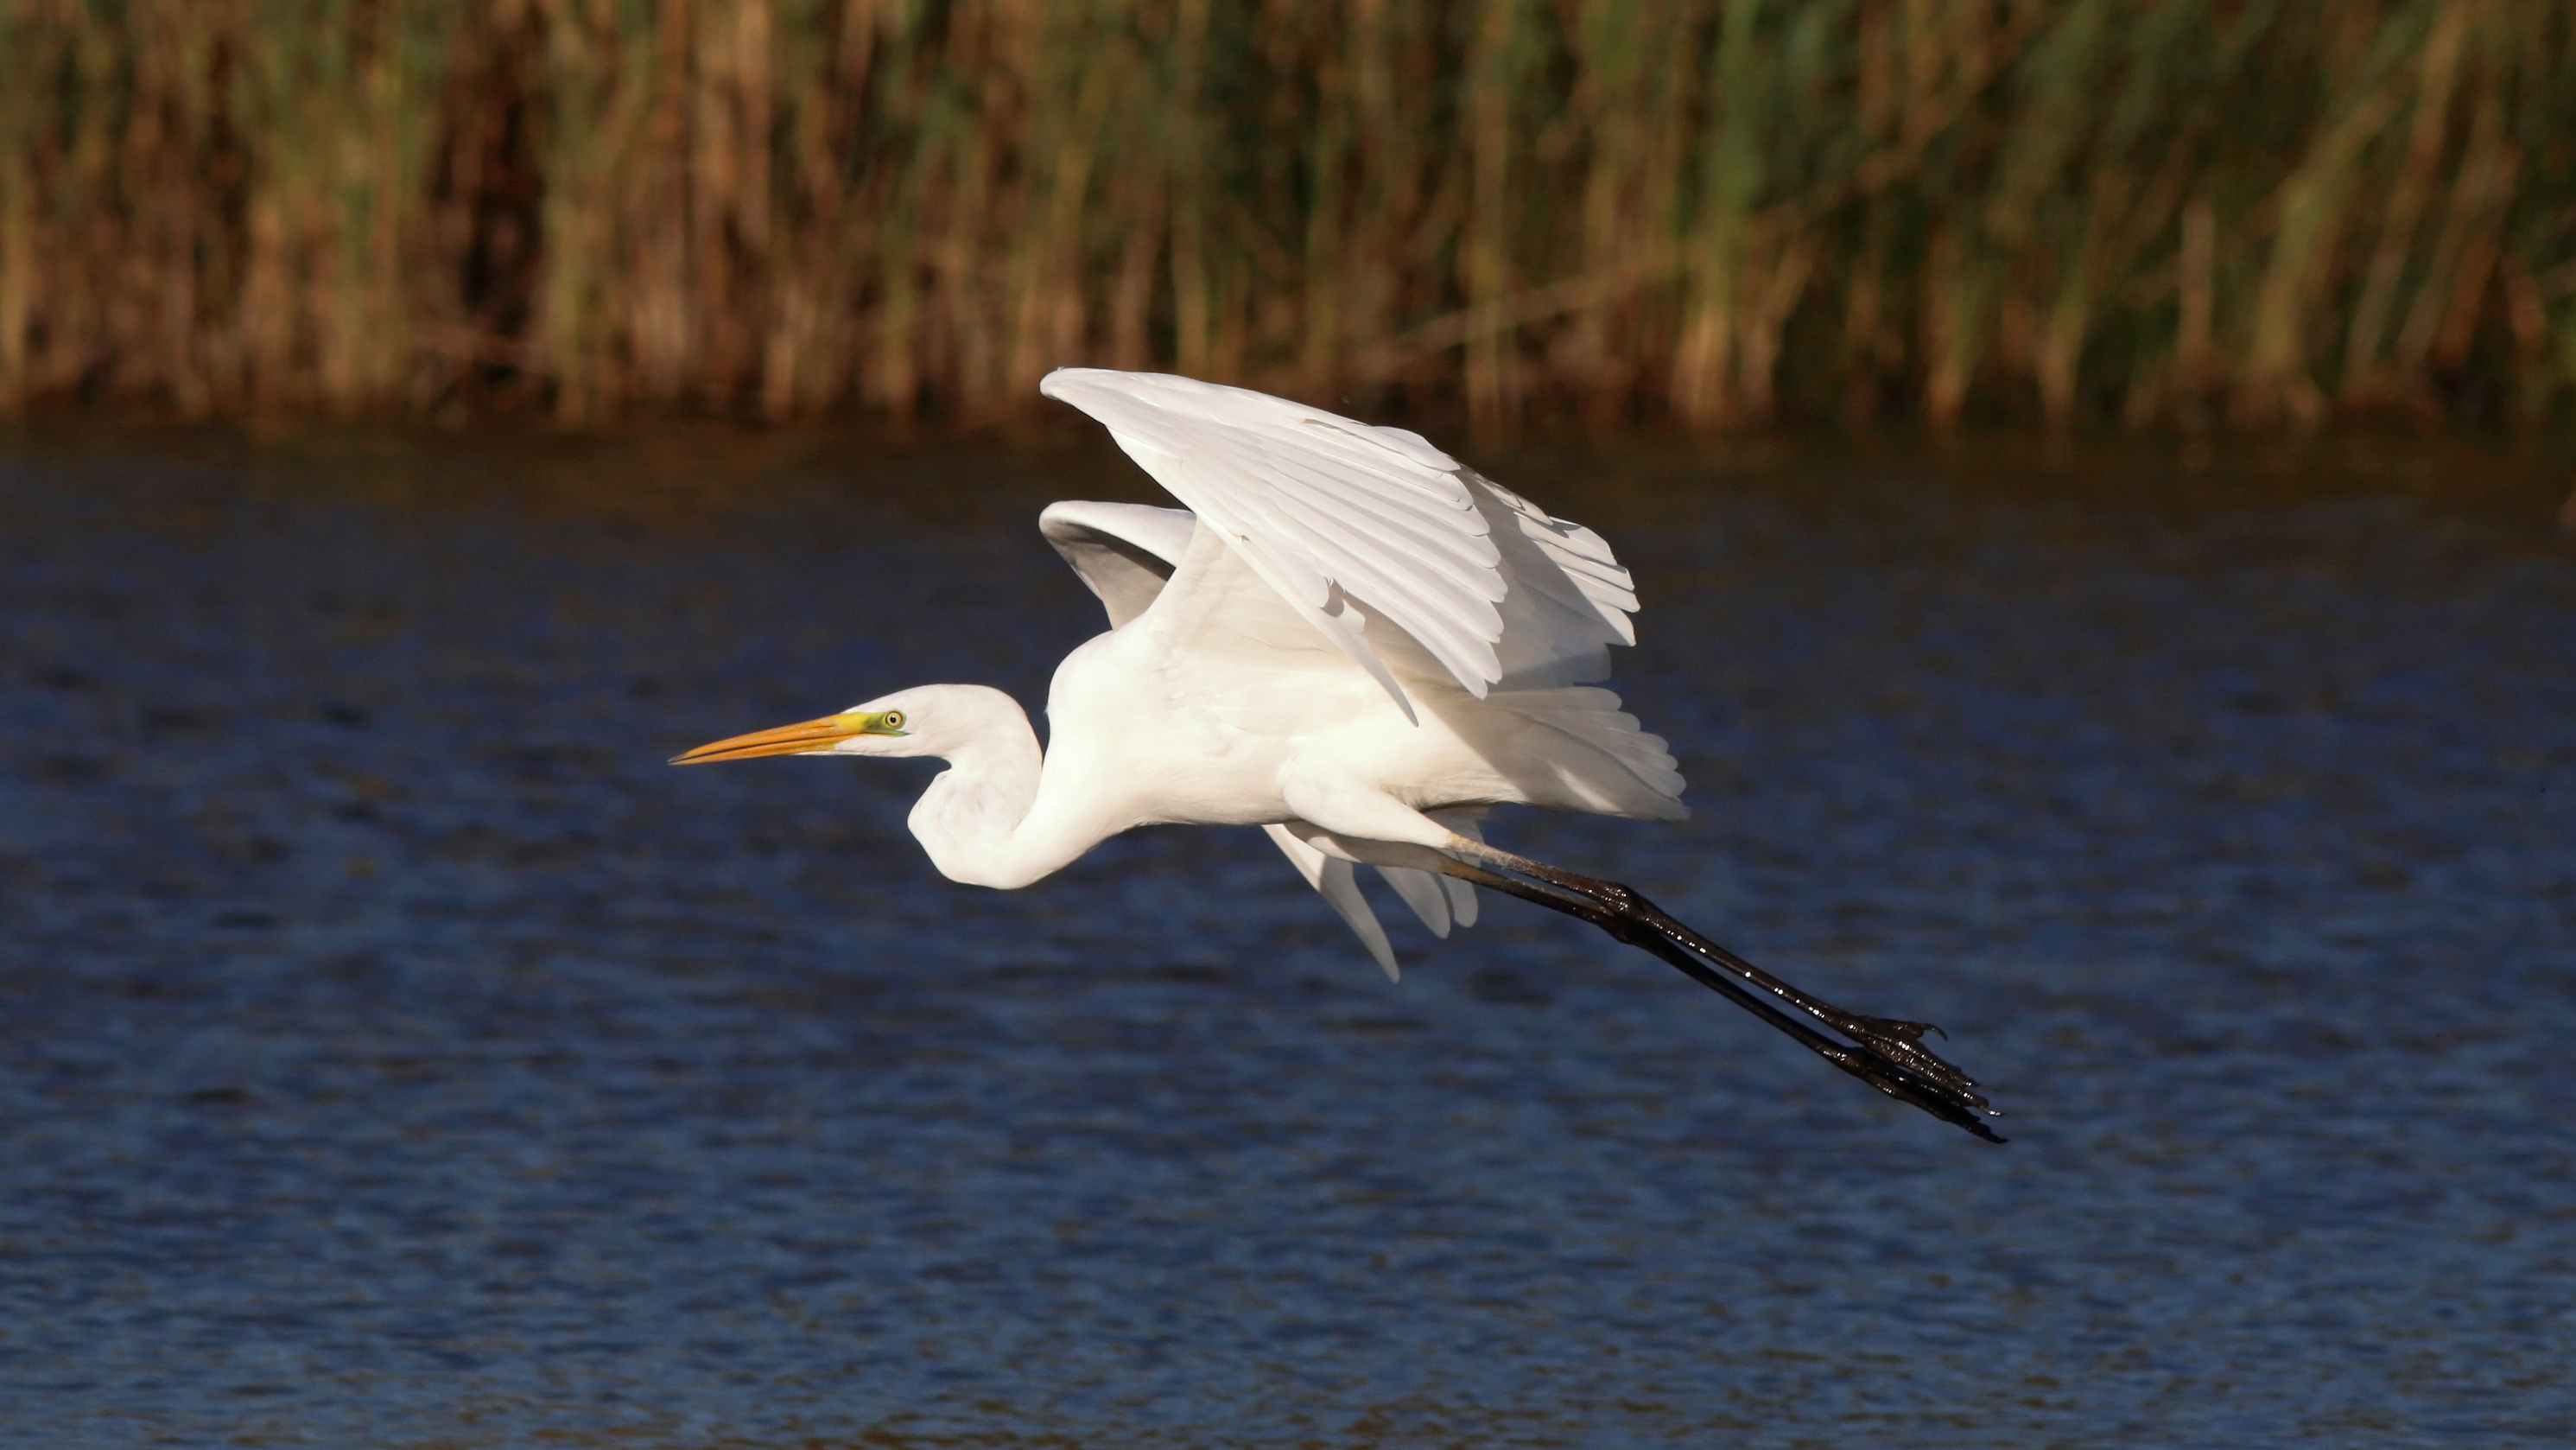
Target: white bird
(1353,641)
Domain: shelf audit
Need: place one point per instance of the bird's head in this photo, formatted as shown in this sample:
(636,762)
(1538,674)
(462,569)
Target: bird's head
(926,720)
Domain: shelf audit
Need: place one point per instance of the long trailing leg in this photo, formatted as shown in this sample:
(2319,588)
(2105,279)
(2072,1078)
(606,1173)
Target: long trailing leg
(1898,1040)
(1885,1053)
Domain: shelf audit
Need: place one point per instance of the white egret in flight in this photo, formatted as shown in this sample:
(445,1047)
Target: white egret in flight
(1354,642)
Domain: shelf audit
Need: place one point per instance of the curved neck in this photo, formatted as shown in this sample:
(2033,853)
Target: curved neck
(977,821)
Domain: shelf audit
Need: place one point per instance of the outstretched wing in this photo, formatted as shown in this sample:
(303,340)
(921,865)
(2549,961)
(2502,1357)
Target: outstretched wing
(1340,518)
(1342,521)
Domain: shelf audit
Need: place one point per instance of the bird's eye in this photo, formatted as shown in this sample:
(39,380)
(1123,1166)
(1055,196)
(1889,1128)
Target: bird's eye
(894,719)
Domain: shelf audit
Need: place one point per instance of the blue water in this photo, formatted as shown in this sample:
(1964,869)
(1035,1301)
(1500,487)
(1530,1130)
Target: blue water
(394,1052)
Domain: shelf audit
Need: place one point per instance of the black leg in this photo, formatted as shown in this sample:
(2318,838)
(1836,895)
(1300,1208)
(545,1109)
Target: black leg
(1888,1055)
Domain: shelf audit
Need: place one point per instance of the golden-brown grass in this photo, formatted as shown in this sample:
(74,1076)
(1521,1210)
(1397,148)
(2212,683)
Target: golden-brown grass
(2161,212)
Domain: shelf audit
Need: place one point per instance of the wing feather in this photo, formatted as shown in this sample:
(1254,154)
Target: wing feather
(1422,891)
(1238,457)
(1351,523)
(1455,631)
(1333,880)
(1122,551)
(1349,527)
(1301,480)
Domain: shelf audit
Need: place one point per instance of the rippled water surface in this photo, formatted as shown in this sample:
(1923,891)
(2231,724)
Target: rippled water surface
(394,1052)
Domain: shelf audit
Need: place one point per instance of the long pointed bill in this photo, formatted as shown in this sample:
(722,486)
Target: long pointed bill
(799,739)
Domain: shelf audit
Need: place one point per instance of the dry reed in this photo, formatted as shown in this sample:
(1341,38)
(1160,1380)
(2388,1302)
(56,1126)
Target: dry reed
(2162,212)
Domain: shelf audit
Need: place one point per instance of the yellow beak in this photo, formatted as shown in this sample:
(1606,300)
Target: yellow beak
(800,739)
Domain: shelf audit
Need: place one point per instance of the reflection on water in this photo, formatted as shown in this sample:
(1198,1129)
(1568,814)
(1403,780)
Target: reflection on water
(397,1053)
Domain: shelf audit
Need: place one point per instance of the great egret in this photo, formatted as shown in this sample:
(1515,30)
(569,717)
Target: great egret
(1354,642)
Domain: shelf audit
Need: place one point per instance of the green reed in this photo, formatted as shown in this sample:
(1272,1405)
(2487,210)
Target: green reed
(2188,213)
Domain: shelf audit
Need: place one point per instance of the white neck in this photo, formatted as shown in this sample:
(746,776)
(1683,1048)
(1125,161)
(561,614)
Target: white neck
(977,821)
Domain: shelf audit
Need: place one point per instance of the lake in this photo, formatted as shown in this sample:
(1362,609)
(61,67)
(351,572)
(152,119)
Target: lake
(396,1052)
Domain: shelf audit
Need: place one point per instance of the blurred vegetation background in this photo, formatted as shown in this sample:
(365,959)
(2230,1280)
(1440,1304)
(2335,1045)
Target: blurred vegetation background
(2145,213)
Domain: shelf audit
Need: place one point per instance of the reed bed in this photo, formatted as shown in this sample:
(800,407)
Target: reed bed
(2156,213)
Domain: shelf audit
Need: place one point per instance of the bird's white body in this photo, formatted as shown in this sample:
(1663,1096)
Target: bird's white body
(1354,641)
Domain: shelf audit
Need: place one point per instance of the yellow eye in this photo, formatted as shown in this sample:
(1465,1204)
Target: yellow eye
(893,719)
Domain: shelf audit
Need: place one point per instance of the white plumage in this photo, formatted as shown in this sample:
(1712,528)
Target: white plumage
(1354,642)
(1348,638)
